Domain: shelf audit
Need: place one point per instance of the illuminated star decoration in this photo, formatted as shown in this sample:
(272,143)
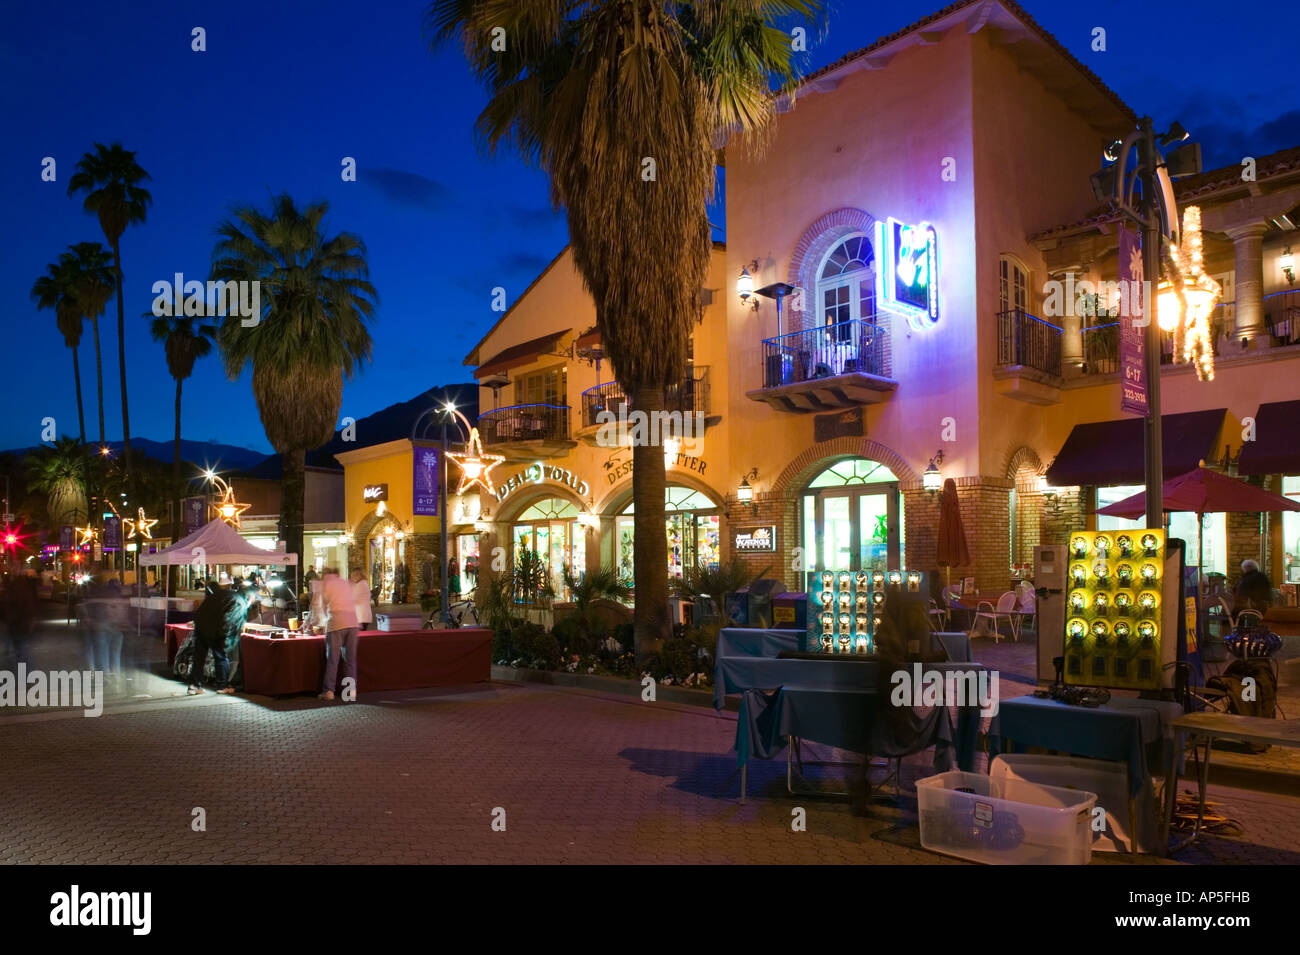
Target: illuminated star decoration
(141,526)
(475,466)
(1197,294)
(88,535)
(228,508)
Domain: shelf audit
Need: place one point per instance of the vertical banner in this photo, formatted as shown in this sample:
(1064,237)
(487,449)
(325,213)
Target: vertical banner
(66,539)
(113,533)
(424,482)
(1133,317)
(195,507)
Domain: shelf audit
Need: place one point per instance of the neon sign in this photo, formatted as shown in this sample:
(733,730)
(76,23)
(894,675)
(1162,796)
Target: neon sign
(908,281)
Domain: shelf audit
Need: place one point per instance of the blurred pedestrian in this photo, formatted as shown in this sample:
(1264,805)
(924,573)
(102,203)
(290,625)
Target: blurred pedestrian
(218,623)
(361,596)
(336,606)
(20,613)
(1254,589)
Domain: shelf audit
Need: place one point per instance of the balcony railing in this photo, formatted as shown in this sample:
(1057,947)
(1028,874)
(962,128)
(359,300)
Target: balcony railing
(1027,340)
(1101,349)
(689,396)
(824,352)
(524,423)
(1282,316)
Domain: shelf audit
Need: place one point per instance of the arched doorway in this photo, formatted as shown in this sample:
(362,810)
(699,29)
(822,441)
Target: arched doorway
(549,528)
(692,522)
(851,517)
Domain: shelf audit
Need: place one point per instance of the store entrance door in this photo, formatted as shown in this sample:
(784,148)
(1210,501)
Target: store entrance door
(856,528)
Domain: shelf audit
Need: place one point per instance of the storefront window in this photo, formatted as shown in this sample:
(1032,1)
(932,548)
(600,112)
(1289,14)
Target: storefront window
(846,287)
(1213,538)
(853,517)
(1291,531)
(386,556)
(694,534)
(547,528)
(467,563)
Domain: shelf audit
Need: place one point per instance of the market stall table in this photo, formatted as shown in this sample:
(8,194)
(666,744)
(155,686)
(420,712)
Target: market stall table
(1205,728)
(836,702)
(1136,732)
(395,660)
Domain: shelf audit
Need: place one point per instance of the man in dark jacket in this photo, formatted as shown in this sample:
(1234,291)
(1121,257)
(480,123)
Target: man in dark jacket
(218,622)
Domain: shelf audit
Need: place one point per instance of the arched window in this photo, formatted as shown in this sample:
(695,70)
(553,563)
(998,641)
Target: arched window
(1013,285)
(852,517)
(846,285)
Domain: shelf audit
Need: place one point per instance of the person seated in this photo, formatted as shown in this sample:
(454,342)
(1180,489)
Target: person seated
(1254,589)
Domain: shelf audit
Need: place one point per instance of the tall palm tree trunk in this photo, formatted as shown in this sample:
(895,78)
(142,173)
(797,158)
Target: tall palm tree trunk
(178,519)
(121,364)
(650,545)
(292,489)
(81,414)
(99,379)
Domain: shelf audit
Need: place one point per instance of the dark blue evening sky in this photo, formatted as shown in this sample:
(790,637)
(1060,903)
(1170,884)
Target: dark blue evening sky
(288,88)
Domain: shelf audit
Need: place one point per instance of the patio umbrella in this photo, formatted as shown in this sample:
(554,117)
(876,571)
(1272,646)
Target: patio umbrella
(1204,492)
(953,550)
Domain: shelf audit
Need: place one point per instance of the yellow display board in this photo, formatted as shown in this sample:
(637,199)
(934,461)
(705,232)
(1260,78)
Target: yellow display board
(1113,616)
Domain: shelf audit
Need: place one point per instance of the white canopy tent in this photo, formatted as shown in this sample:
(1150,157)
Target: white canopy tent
(214,543)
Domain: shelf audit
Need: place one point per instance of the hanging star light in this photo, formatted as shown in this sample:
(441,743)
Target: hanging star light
(1186,302)
(228,508)
(141,527)
(88,535)
(475,465)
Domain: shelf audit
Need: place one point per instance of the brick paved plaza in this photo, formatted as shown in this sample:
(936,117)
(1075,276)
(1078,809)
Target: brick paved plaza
(583,777)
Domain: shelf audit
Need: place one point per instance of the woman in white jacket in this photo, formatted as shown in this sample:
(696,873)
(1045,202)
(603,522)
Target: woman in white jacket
(361,595)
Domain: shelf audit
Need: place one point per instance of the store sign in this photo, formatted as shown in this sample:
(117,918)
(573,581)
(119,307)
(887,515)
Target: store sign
(537,473)
(760,540)
(908,280)
(1132,326)
(842,424)
(373,493)
(619,465)
(424,482)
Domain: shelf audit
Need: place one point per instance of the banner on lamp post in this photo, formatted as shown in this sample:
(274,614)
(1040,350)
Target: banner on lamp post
(1134,314)
(424,483)
(195,511)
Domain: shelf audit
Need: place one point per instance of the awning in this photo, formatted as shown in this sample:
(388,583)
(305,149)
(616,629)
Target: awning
(1111,452)
(1276,448)
(517,355)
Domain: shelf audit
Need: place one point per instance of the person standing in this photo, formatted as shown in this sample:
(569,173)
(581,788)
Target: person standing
(337,606)
(218,622)
(1254,589)
(361,597)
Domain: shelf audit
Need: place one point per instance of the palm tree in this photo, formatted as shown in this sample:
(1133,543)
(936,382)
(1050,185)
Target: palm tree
(56,289)
(59,472)
(316,299)
(589,92)
(184,342)
(95,282)
(110,177)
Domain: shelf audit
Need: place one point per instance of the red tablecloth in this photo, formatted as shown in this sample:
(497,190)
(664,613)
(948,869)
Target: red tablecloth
(398,660)
(175,635)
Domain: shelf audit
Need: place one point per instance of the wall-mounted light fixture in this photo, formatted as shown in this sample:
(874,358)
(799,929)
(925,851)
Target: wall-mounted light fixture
(1286,262)
(1051,495)
(932,478)
(745,285)
(745,492)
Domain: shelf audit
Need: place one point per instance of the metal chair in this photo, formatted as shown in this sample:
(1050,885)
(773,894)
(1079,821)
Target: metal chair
(939,616)
(1006,607)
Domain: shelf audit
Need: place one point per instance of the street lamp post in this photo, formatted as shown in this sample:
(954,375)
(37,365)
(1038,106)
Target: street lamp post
(442,511)
(1151,232)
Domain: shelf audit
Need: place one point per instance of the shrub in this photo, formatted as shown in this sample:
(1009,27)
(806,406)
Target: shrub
(536,646)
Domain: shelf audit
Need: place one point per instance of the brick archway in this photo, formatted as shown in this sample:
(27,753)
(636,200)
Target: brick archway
(818,239)
(817,458)
(1022,457)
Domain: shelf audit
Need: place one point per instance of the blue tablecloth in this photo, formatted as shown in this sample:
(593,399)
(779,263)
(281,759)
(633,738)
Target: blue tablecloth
(857,720)
(1125,729)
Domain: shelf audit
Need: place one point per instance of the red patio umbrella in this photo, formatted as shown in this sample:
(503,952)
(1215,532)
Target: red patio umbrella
(1204,492)
(952,548)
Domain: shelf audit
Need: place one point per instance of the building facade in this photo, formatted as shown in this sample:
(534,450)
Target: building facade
(901,232)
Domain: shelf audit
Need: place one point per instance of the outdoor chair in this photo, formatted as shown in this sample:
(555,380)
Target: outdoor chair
(939,617)
(1006,607)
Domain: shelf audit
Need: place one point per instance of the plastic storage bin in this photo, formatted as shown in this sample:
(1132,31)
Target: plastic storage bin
(1005,821)
(1107,779)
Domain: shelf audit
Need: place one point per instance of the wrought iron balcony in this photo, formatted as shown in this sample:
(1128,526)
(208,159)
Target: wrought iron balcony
(529,429)
(689,396)
(1028,341)
(827,368)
